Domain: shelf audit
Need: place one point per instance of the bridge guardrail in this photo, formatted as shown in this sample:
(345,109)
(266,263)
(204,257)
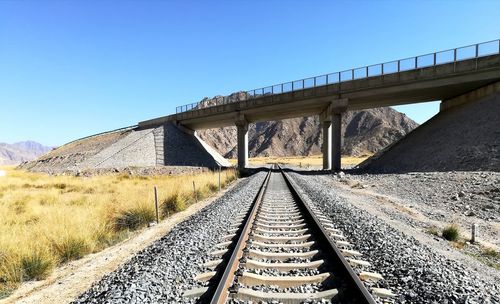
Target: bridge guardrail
(468,52)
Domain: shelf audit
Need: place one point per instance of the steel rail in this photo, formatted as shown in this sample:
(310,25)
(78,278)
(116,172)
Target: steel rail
(356,291)
(222,290)
(357,287)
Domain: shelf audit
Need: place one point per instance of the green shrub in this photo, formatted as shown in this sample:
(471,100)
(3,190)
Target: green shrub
(199,195)
(223,183)
(213,187)
(231,177)
(450,233)
(135,218)
(70,248)
(173,203)
(37,265)
(60,186)
(106,238)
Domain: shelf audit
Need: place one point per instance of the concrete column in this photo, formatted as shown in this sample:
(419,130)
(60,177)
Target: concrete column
(336,141)
(242,129)
(327,144)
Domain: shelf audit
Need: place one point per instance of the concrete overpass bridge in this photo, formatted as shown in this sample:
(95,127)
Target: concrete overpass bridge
(443,75)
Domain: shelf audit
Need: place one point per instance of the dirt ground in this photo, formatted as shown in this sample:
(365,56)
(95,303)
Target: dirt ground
(72,279)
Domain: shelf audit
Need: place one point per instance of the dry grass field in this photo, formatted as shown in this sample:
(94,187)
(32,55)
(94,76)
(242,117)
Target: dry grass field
(302,161)
(49,220)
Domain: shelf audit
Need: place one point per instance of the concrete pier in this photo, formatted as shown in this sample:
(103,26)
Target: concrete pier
(326,124)
(336,141)
(242,130)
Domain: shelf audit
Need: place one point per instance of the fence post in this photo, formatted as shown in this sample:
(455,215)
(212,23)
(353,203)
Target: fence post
(194,192)
(156,206)
(473,233)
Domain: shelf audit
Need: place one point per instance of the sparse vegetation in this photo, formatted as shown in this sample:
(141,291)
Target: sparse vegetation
(134,218)
(488,256)
(175,202)
(433,230)
(490,252)
(49,220)
(450,233)
(36,264)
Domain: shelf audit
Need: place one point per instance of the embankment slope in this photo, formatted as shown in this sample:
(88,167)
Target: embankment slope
(462,138)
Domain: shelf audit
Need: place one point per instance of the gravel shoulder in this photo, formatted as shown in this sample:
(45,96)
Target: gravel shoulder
(436,199)
(419,268)
(69,281)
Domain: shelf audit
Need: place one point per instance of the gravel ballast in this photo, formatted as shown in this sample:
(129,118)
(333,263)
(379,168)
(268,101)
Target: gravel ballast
(412,270)
(163,271)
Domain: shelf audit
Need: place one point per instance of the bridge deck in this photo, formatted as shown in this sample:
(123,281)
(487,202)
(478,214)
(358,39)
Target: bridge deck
(434,82)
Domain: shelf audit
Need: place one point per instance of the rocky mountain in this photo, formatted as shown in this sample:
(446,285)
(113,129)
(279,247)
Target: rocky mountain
(364,132)
(12,154)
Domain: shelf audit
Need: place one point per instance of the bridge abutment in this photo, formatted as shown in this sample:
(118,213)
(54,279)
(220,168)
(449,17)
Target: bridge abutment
(470,96)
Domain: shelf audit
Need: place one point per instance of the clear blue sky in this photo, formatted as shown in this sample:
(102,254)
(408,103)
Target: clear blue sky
(73,68)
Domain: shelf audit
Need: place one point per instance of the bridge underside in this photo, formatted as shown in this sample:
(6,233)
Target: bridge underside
(440,82)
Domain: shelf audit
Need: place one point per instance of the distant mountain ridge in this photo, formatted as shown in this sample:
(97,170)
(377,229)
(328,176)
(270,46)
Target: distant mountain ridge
(16,153)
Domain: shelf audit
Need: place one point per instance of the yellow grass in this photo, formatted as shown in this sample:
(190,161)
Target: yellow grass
(302,161)
(48,220)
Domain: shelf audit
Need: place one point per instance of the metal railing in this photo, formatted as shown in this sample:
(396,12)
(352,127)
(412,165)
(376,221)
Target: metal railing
(412,63)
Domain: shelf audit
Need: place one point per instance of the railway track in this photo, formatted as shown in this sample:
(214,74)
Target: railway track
(282,250)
